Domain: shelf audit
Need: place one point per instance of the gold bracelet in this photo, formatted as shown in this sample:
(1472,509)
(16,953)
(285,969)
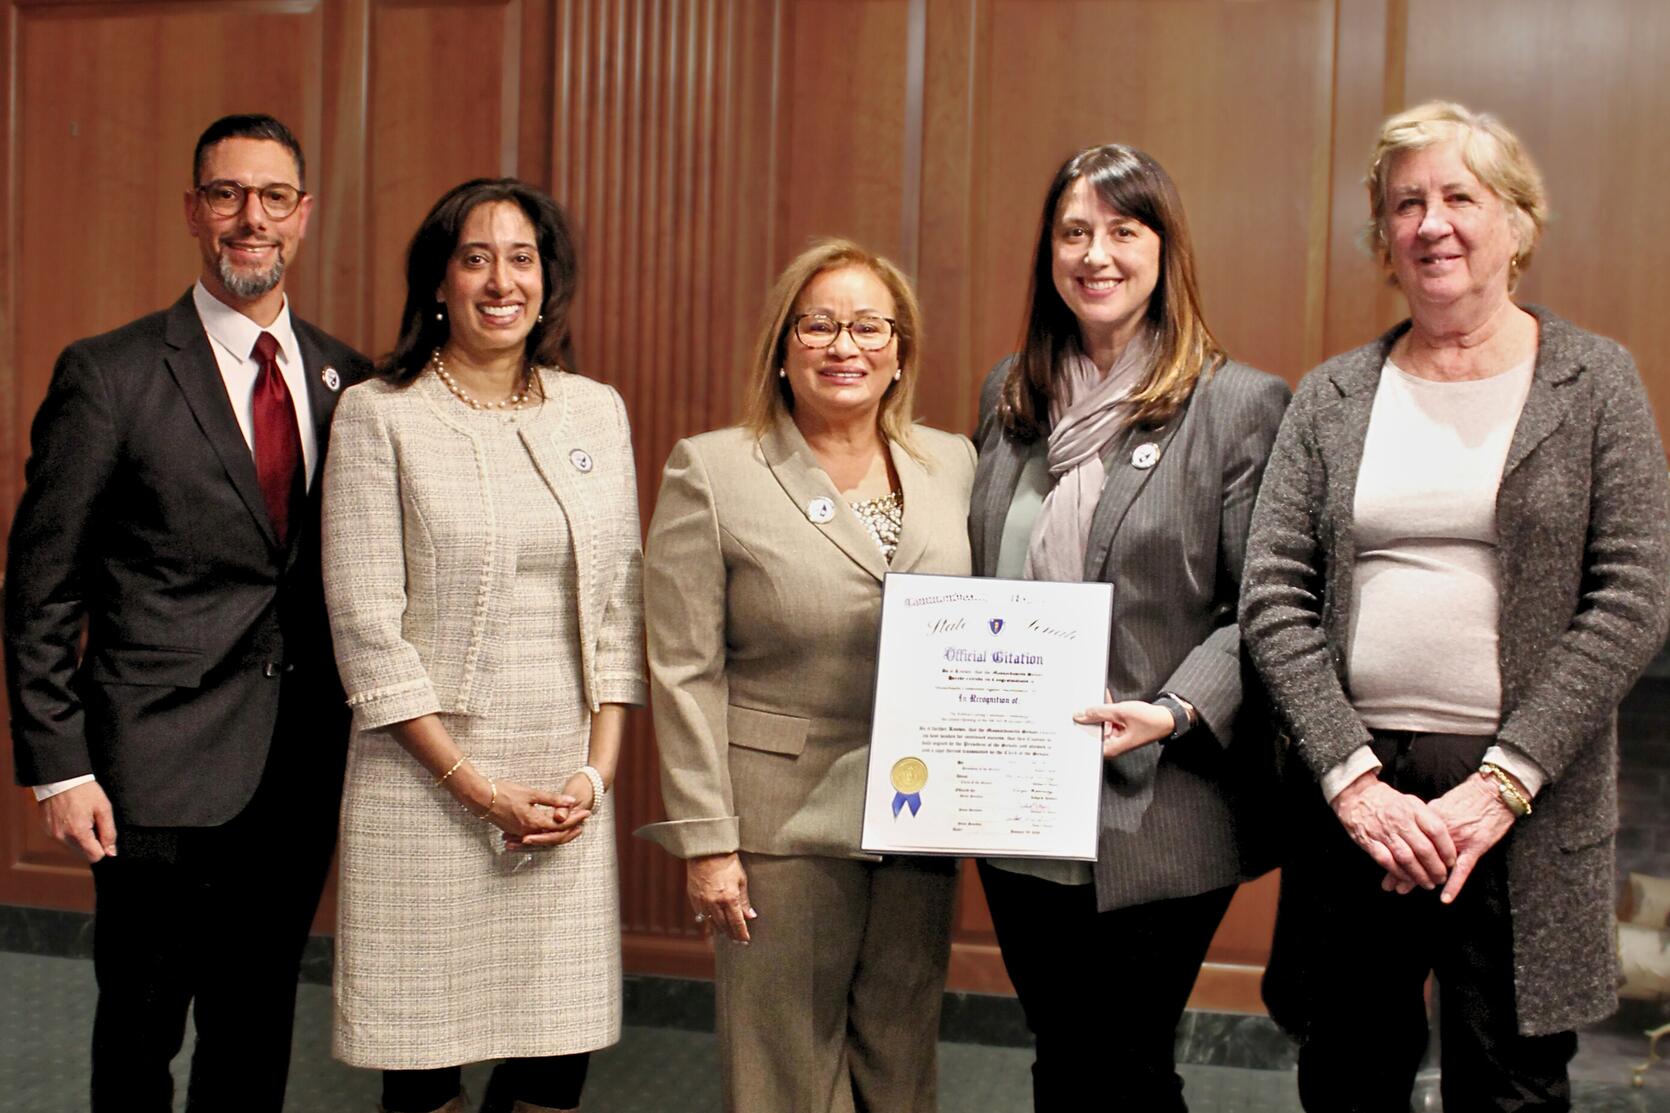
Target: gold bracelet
(1511,796)
(461,760)
(491,801)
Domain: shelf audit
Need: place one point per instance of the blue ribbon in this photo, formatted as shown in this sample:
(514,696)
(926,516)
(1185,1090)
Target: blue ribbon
(900,800)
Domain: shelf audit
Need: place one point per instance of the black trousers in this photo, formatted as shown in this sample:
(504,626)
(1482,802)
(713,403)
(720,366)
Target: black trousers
(1368,1020)
(552,1082)
(212,919)
(1133,967)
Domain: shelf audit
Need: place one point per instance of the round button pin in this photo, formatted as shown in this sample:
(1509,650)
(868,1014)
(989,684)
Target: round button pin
(820,510)
(580,459)
(333,381)
(1145,456)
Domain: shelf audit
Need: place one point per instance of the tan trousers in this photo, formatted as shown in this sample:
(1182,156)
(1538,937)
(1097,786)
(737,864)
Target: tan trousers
(834,1005)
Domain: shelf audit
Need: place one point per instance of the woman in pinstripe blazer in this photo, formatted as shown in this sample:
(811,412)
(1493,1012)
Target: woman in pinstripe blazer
(1121,445)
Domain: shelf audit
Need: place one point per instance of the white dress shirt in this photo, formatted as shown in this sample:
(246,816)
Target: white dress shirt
(232,339)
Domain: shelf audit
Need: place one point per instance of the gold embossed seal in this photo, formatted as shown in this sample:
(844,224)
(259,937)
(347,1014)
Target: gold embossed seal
(910,774)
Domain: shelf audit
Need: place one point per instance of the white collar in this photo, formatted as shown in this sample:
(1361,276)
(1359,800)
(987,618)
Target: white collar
(237,333)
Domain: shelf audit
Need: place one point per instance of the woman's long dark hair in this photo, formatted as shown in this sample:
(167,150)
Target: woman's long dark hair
(432,247)
(1131,183)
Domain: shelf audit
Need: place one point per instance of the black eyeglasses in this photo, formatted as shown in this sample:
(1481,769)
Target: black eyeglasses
(819,330)
(226,197)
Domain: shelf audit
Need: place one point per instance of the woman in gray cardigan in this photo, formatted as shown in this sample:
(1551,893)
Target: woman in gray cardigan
(1457,568)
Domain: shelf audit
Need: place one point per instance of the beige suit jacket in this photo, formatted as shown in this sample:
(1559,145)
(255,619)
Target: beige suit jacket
(762,630)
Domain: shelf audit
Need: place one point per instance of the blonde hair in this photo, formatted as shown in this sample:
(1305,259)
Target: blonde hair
(769,395)
(1493,154)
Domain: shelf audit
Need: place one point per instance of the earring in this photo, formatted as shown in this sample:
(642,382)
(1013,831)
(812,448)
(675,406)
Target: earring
(899,374)
(782,374)
(539,320)
(440,315)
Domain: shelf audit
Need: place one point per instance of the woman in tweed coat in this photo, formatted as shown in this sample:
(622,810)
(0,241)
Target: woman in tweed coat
(1457,568)
(483,579)
(1122,445)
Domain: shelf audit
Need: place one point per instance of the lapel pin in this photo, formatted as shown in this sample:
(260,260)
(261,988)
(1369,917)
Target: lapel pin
(820,510)
(580,460)
(1145,456)
(333,381)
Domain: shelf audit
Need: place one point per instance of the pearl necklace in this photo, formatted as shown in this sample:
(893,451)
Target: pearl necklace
(514,402)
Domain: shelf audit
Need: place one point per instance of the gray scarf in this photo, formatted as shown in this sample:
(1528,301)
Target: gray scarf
(1084,417)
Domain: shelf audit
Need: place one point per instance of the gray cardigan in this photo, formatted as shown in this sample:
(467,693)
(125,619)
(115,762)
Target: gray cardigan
(1583,518)
(1187,816)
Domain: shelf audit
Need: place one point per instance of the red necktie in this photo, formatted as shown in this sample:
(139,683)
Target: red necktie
(278,444)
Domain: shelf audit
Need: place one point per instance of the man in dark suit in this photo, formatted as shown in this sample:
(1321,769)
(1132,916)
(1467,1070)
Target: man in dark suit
(172,514)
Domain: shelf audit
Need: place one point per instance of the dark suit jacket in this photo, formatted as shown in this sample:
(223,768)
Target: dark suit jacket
(1183,817)
(1583,525)
(142,517)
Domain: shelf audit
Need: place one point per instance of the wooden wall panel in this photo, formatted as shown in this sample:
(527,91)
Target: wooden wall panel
(1584,87)
(1359,304)
(1191,83)
(946,282)
(443,109)
(663,131)
(338,232)
(842,142)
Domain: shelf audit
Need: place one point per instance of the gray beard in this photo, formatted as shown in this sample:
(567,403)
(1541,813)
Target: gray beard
(242,285)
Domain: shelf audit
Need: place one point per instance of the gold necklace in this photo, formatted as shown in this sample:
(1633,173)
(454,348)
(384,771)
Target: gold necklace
(514,402)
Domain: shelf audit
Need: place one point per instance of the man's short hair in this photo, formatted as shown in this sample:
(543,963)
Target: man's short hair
(247,126)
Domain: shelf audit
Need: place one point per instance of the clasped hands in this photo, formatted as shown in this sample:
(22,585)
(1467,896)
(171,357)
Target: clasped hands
(82,819)
(1419,843)
(533,819)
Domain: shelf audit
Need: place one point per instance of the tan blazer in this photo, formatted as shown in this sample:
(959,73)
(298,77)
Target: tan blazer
(762,632)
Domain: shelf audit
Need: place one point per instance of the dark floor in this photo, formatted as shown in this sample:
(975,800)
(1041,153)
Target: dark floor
(47,1015)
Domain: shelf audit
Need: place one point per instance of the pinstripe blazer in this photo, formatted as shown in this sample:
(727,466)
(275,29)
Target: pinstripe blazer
(1184,817)
(762,635)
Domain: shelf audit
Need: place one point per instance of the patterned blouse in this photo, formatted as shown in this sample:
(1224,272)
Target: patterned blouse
(883,516)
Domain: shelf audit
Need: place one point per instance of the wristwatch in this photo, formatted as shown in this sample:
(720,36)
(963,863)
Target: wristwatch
(1180,723)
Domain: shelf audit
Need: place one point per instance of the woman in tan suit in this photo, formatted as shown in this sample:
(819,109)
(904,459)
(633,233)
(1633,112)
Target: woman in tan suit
(484,583)
(763,583)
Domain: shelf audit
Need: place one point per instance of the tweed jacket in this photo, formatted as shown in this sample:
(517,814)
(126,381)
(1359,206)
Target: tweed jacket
(415,611)
(762,635)
(1583,520)
(1183,817)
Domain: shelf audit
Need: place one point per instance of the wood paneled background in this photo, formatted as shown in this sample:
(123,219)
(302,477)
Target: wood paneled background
(698,144)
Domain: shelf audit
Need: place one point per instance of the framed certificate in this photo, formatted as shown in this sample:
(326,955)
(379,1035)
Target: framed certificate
(973,748)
